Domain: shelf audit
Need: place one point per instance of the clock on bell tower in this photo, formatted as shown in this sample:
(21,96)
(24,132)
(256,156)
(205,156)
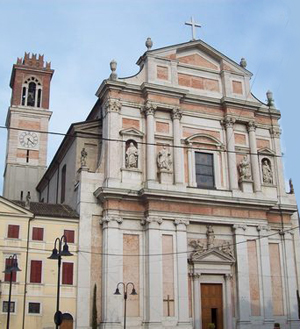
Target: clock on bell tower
(27,124)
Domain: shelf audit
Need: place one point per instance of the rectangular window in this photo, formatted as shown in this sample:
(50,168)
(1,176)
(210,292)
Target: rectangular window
(67,273)
(204,170)
(70,236)
(34,308)
(13,231)
(63,184)
(36,271)
(37,233)
(8,264)
(5,307)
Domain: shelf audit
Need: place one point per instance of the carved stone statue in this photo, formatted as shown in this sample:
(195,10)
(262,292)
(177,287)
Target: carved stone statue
(267,172)
(244,169)
(210,237)
(131,157)
(292,191)
(197,245)
(164,160)
(83,157)
(227,248)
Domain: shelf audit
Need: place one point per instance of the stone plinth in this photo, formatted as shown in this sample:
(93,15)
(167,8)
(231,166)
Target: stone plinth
(246,185)
(165,177)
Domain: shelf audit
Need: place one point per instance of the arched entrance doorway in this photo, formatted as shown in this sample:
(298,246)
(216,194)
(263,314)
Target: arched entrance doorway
(67,321)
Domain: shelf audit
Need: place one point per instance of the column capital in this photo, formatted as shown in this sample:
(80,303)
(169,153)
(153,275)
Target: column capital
(228,121)
(112,105)
(263,229)
(151,220)
(110,218)
(228,277)
(149,108)
(179,221)
(195,276)
(251,126)
(275,132)
(239,228)
(176,113)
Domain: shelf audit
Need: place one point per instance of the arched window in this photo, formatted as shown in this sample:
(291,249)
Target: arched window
(32,92)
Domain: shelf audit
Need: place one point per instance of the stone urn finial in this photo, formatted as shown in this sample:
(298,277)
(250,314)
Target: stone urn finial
(113,67)
(243,63)
(149,43)
(270,98)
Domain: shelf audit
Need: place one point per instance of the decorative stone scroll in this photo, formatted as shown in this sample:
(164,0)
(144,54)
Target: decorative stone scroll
(111,218)
(183,221)
(151,219)
(229,122)
(149,108)
(176,113)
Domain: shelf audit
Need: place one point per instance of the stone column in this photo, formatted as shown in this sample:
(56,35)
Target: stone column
(231,155)
(254,156)
(112,313)
(275,133)
(191,165)
(228,278)
(267,302)
(182,271)
(178,150)
(153,289)
(291,283)
(242,277)
(149,110)
(197,301)
(111,129)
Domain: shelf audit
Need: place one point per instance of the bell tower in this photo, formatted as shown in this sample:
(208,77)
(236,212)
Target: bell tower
(27,124)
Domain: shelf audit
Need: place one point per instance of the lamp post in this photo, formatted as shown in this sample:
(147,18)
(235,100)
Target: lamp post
(57,254)
(11,267)
(133,292)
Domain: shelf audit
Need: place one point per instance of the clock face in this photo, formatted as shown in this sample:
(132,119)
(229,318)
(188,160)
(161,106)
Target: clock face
(28,139)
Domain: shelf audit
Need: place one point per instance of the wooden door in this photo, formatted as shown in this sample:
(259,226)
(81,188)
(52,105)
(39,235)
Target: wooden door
(212,305)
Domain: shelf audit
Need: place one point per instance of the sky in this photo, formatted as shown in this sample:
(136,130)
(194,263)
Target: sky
(81,37)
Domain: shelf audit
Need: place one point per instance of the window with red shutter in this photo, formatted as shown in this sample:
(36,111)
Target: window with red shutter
(13,231)
(70,235)
(8,263)
(67,273)
(36,271)
(37,233)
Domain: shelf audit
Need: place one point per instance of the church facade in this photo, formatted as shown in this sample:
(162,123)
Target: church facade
(177,177)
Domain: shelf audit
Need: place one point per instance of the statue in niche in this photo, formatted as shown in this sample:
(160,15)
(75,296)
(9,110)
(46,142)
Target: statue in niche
(244,169)
(83,157)
(164,160)
(131,157)
(210,237)
(267,172)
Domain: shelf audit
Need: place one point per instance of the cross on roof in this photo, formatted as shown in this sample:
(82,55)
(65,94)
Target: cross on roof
(193,24)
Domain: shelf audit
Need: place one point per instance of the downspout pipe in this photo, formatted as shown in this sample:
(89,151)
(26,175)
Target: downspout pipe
(26,270)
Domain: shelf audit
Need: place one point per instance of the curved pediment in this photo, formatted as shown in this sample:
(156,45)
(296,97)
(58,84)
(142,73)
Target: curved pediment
(206,139)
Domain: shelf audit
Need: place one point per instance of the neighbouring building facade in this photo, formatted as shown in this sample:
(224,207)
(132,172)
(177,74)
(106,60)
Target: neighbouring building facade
(30,232)
(177,177)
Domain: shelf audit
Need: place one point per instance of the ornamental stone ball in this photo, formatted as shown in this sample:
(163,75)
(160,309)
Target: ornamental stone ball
(149,43)
(113,67)
(243,62)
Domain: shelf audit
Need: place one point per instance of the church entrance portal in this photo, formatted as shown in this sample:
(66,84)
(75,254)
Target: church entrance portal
(212,305)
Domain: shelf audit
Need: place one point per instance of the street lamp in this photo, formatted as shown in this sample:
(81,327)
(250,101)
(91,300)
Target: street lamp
(11,267)
(133,292)
(57,254)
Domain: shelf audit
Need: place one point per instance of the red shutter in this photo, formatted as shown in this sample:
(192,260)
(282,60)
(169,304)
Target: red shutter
(67,273)
(70,235)
(38,233)
(36,271)
(8,263)
(13,231)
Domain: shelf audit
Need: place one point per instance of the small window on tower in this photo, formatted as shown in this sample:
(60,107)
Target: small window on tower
(27,156)
(31,94)
(39,98)
(23,95)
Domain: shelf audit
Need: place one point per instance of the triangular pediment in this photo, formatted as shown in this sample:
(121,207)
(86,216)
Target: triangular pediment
(212,256)
(196,59)
(131,132)
(8,207)
(266,151)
